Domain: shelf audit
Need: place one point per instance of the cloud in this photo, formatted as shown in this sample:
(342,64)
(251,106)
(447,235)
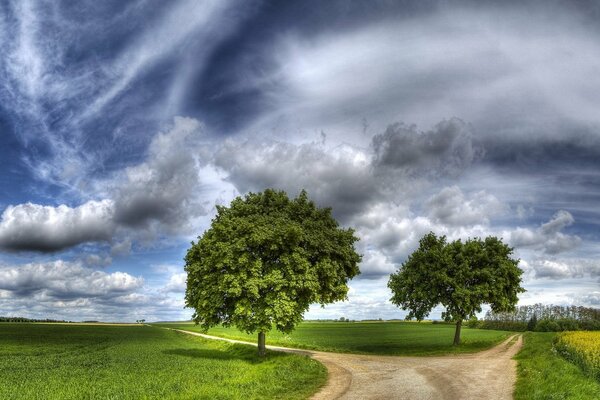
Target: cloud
(176,283)
(502,69)
(338,177)
(161,194)
(65,280)
(564,268)
(96,260)
(560,220)
(84,87)
(33,227)
(592,299)
(447,150)
(68,290)
(348,177)
(164,188)
(122,248)
(451,207)
(548,237)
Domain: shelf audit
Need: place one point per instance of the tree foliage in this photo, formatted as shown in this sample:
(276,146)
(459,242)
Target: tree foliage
(544,317)
(265,259)
(461,276)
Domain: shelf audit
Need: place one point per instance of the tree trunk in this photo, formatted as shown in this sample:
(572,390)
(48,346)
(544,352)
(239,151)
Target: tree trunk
(457,332)
(261,344)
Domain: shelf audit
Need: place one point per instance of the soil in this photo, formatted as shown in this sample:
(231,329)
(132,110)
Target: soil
(489,374)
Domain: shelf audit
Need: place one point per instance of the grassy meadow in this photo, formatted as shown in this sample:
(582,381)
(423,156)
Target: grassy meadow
(387,338)
(52,361)
(544,374)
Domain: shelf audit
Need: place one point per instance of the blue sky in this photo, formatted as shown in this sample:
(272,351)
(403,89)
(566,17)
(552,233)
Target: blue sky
(123,124)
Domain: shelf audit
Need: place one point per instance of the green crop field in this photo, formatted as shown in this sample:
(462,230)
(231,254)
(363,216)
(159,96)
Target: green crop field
(390,338)
(48,361)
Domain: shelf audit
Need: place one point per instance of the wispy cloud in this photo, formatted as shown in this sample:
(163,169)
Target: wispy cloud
(61,93)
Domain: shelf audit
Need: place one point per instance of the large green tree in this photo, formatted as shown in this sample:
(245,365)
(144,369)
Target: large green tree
(461,276)
(264,260)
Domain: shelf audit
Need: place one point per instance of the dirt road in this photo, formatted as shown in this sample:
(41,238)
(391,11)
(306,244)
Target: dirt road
(489,374)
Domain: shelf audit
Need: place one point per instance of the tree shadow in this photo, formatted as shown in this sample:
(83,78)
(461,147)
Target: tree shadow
(237,352)
(203,353)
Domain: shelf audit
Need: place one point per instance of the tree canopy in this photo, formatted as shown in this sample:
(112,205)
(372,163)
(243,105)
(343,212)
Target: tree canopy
(461,276)
(264,260)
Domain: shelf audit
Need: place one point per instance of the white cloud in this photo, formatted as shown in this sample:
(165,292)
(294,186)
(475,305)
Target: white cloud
(176,283)
(64,280)
(451,207)
(45,228)
(567,268)
(68,290)
(548,237)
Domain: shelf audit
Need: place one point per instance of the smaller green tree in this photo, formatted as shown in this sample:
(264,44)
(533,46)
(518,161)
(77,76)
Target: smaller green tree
(264,260)
(459,276)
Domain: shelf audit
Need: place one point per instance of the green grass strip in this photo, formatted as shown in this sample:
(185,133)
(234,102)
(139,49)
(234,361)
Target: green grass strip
(544,375)
(384,338)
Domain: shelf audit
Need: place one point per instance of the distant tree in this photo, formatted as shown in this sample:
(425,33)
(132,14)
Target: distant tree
(532,323)
(264,260)
(459,276)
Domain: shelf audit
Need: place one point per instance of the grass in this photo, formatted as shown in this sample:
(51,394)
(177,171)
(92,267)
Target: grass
(387,338)
(544,374)
(141,362)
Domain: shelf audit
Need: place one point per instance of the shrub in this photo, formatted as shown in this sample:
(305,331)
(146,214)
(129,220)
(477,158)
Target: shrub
(558,325)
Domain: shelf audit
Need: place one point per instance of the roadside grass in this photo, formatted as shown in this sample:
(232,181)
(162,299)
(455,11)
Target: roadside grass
(46,361)
(544,374)
(385,338)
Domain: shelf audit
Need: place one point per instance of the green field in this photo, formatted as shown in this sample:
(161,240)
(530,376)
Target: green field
(544,374)
(388,338)
(47,361)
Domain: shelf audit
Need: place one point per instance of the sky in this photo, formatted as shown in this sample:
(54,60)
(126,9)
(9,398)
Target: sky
(123,125)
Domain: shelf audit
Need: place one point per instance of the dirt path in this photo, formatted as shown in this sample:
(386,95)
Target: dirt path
(489,374)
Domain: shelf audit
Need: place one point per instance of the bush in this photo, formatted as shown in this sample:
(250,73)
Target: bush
(558,325)
(473,322)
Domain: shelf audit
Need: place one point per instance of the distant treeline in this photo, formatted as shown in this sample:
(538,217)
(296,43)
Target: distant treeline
(543,318)
(23,319)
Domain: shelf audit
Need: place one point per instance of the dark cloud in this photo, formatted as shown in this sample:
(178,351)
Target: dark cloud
(164,188)
(446,150)
(340,177)
(554,145)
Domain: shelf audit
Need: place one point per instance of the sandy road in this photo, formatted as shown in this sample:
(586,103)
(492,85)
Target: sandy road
(489,374)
